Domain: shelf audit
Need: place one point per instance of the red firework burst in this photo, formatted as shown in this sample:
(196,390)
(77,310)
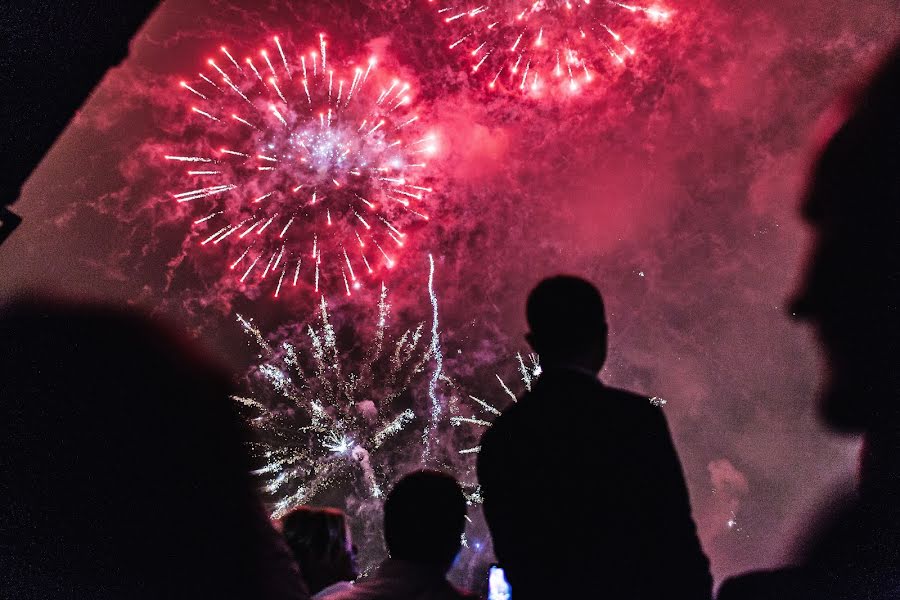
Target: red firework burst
(528,46)
(308,171)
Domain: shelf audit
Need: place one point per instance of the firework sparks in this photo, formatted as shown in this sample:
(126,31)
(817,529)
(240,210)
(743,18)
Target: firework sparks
(528,373)
(319,422)
(525,47)
(313,170)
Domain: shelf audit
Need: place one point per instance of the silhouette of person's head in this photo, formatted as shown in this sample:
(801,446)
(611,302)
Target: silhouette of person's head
(851,290)
(320,541)
(123,470)
(424,518)
(567,322)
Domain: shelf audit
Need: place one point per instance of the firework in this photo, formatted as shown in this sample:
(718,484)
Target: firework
(528,46)
(322,424)
(303,171)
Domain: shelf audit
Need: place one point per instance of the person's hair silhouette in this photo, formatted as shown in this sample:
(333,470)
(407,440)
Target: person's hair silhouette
(567,322)
(320,540)
(851,294)
(424,518)
(123,471)
(607,459)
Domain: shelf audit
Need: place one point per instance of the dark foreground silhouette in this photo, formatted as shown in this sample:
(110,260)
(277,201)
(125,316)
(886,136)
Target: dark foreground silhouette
(619,524)
(122,467)
(320,540)
(851,294)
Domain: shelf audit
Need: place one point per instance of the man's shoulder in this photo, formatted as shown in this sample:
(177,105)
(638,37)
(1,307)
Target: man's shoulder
(583,402)
(367,591)
(627,397)
(587,393)
(573,396)
(367,588)
(629,407)
(360,591)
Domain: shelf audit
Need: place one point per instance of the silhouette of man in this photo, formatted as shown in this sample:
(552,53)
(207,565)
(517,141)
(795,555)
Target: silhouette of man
(583,490)
(424,518)
(851,294)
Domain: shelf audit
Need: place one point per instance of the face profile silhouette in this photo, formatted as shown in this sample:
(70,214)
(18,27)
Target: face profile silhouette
(851,289)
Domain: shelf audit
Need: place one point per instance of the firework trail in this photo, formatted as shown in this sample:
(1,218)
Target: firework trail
(303,171)
(532,46)
(439,364)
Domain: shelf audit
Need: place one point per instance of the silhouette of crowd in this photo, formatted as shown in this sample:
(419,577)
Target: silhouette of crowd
(124,471)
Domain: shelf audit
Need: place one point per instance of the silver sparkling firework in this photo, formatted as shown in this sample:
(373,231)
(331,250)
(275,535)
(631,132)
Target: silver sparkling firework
(322,423)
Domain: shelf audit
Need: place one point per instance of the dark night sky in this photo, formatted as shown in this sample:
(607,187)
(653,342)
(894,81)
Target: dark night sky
(675,190)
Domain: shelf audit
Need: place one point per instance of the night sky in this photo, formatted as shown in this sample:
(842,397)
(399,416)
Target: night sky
(673,186)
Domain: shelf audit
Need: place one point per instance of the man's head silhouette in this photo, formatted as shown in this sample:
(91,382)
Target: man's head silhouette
(851,291)
(567,323)
(424,518)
